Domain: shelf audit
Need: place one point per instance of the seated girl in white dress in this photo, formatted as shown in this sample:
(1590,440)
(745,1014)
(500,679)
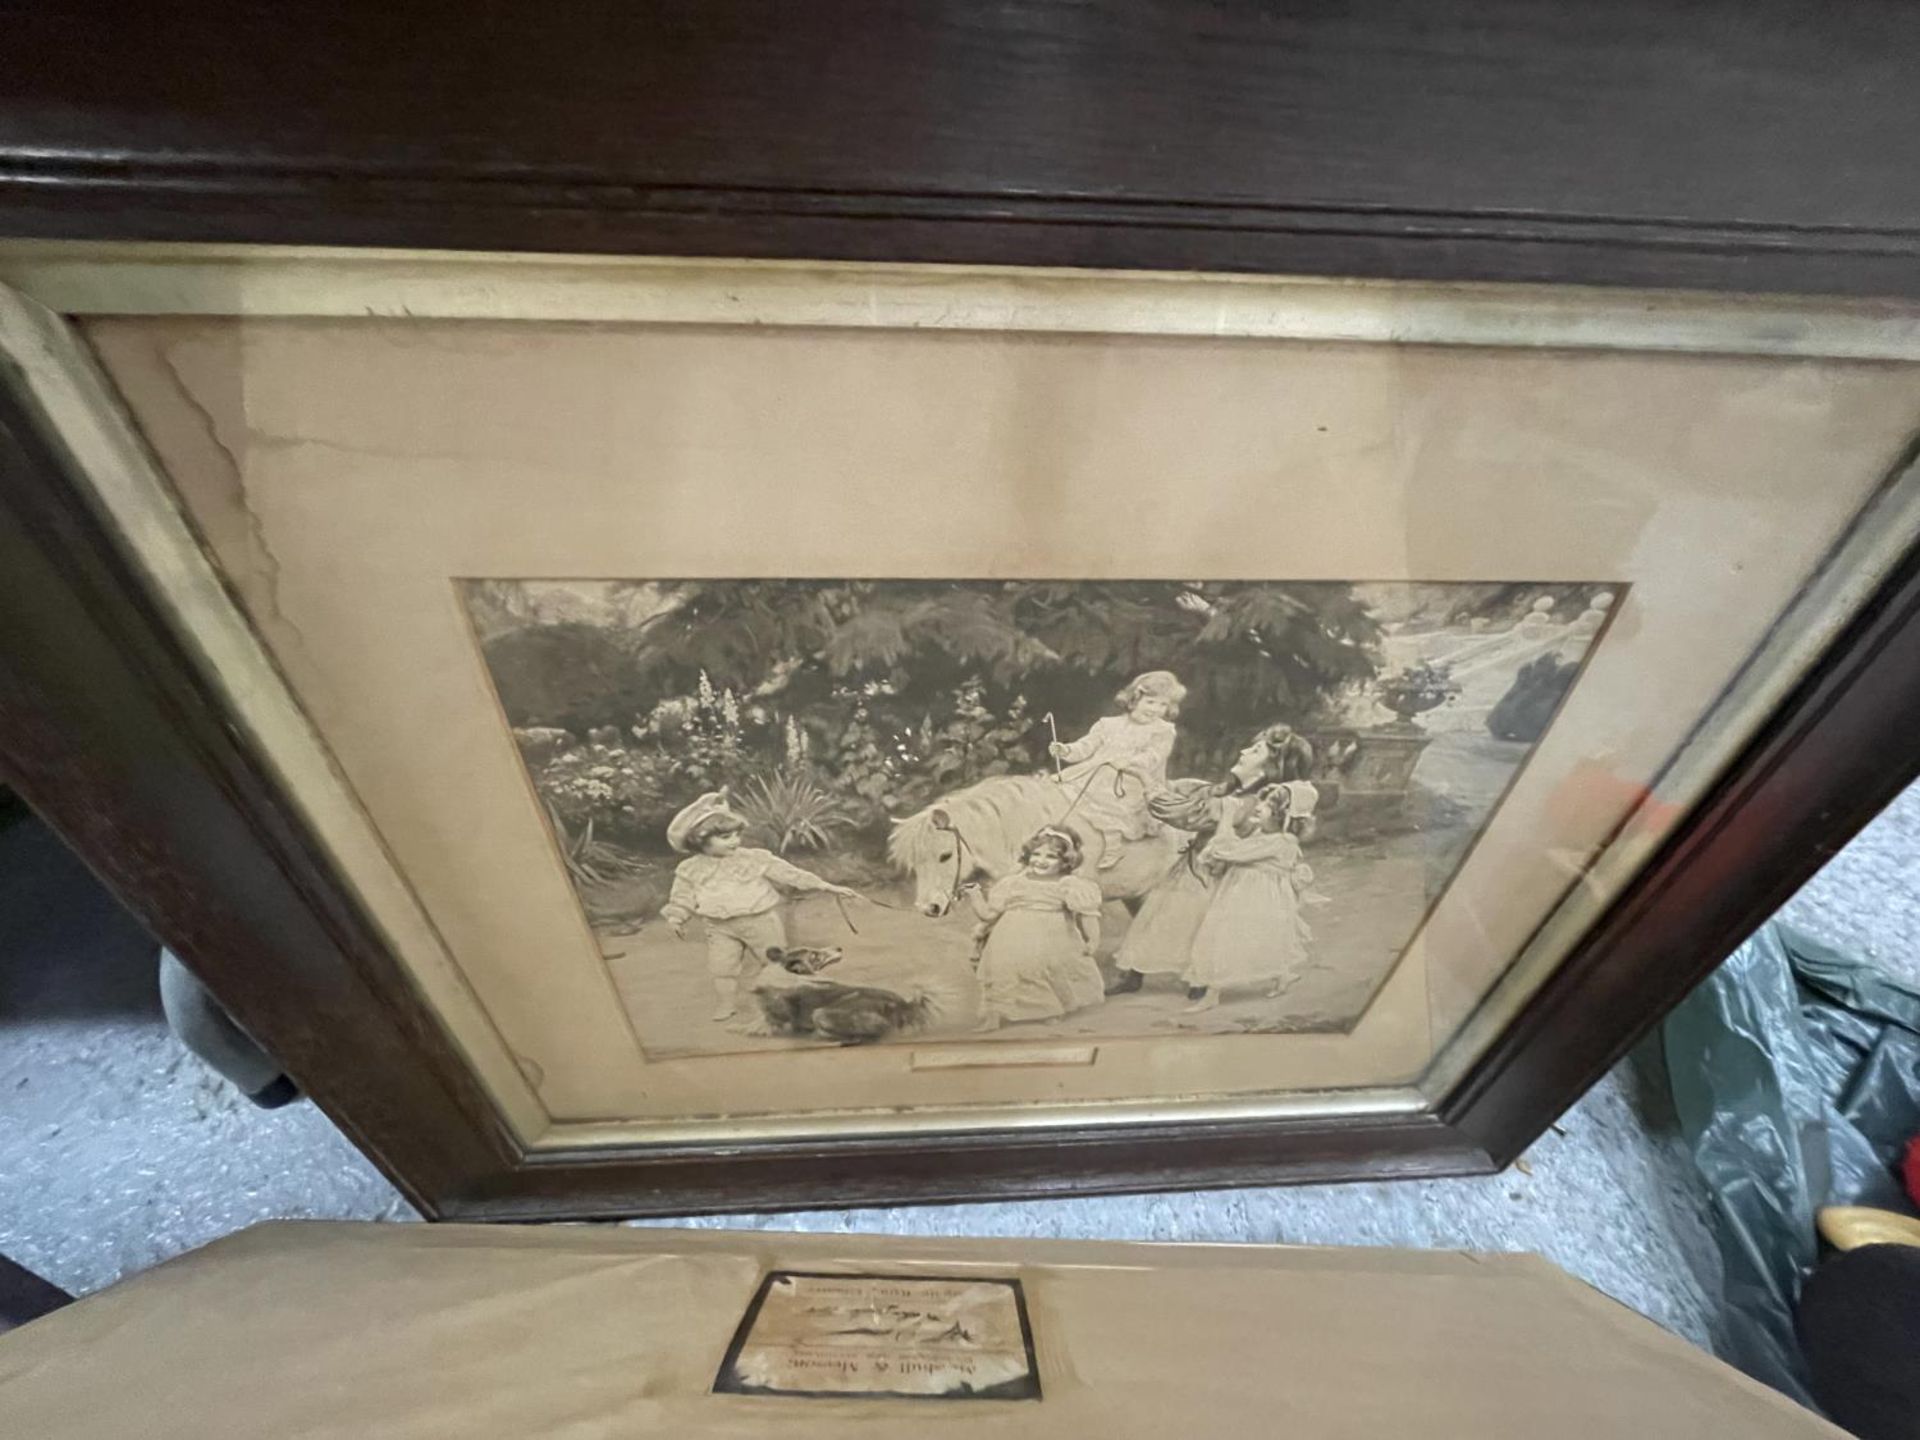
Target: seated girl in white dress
(1038,927)
(1132,750)
(1252,933)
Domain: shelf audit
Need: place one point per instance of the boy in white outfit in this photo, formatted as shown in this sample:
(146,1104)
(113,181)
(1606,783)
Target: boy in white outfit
(735,890)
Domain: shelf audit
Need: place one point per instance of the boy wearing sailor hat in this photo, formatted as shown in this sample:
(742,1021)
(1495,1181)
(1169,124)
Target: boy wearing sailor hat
(736,891)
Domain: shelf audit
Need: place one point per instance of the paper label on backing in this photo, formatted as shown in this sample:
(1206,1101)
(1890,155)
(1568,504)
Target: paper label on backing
(892,1336)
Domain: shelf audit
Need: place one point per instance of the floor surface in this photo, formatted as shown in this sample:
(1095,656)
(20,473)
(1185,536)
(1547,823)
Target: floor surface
(118,1149)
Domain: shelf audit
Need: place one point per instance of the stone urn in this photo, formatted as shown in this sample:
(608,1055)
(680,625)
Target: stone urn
(1412,692)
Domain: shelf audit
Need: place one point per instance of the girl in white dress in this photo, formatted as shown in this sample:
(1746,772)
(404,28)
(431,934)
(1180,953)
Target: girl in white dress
(1252,933)
(1160,939)
(1132,749)
(1038,927)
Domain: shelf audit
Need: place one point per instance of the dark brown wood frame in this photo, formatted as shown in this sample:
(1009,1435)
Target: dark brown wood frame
(1492,141)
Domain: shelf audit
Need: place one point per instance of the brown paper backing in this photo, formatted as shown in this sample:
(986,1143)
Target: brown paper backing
(304,1331)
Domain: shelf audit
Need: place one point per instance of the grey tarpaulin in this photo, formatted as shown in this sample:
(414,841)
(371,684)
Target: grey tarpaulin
(1796,1074)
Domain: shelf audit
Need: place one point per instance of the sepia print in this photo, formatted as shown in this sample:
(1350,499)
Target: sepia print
(836,812)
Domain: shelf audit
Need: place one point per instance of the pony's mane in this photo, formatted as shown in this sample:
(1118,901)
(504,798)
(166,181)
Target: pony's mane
(995,815)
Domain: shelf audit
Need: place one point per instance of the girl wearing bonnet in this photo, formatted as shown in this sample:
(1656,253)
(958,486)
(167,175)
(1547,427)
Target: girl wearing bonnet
(1252,933)
(1160,940)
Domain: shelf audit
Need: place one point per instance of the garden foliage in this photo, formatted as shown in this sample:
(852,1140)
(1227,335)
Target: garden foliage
(827,705)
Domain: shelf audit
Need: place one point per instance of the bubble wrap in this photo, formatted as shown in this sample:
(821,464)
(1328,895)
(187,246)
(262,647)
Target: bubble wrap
(119,1149)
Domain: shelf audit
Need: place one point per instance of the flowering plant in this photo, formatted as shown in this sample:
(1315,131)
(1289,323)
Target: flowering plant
(626,789)
(892,763)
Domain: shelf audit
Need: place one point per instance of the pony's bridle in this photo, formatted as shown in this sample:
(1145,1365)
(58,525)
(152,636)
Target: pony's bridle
(960,849)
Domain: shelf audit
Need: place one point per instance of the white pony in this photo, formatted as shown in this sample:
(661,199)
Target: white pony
(975,834)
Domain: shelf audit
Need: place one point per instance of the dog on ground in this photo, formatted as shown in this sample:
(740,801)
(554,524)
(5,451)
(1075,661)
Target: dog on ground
(804,959)
(847,1014)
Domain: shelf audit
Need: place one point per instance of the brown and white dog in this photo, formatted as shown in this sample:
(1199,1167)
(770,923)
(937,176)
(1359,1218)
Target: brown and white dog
(848,1014)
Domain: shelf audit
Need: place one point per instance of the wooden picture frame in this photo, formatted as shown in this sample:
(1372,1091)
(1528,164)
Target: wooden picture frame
(110,728)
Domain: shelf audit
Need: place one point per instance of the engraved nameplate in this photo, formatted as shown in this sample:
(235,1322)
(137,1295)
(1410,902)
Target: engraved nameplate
(970,1057)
